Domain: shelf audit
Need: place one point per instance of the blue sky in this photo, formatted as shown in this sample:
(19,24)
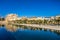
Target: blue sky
(30,7)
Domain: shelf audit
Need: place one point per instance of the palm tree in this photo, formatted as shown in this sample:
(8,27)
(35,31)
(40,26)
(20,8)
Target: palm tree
(57,20)
(45,21)
(39,21)
(3,19)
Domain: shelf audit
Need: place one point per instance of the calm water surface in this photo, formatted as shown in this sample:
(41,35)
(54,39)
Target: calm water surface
(28,35)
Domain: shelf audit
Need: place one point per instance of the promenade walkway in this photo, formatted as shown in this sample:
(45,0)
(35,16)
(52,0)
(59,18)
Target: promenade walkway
(41,26)
(2,22)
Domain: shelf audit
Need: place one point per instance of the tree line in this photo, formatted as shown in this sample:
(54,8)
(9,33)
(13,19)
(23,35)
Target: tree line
(55,21)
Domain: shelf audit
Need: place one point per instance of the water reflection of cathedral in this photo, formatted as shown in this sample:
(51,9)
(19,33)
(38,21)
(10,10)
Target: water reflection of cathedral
(11,27)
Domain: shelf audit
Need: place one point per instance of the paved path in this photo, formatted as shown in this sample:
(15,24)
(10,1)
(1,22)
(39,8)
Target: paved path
(41,26)
(2,22)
